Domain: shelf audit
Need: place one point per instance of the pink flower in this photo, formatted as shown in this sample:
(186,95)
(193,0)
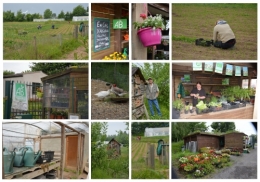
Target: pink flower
(142,15)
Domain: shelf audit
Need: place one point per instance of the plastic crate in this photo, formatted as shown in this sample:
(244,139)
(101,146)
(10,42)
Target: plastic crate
(48,155)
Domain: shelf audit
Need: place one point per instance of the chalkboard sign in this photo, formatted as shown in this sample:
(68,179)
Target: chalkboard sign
(101,34)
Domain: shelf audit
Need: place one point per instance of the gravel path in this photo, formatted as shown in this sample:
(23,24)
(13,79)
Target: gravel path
(243,167)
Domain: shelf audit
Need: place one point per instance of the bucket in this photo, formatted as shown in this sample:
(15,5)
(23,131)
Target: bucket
(149,36)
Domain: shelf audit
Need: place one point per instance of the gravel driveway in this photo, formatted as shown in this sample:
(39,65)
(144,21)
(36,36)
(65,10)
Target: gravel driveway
(243,167)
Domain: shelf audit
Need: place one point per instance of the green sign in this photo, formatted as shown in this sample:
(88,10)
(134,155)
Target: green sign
(219,68)
(197,66)
(245,71)
(238,71)
(225,81)
(120,24)
(101,39)
(208,66)
(20,100)
(187,78)
(229,69)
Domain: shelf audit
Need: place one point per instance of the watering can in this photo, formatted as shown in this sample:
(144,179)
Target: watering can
(30,158)
(8,161)
(18,160)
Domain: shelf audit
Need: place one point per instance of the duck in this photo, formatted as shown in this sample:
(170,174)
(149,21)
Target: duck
(117,91)
(103,94)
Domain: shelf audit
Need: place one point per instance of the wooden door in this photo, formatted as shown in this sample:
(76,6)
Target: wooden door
(71,151)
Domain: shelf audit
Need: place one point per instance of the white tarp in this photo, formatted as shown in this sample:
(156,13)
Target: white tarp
(20,99)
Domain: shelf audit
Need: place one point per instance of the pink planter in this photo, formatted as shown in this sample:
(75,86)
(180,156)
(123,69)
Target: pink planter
(149,36)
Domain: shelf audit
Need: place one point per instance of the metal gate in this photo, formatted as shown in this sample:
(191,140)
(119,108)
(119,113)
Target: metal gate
(82,103)
(35,105)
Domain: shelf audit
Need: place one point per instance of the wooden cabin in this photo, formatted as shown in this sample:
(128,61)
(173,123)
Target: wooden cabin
(115,146)
(203,139)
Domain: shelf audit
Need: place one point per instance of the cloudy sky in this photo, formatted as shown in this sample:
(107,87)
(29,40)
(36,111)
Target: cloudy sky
(41,7)
(115,126)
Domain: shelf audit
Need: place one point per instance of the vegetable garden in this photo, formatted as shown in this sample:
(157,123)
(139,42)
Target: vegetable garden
(140,169)
(45,43)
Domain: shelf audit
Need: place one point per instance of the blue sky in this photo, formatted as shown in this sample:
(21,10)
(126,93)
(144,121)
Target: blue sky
(41,7)
(115,126)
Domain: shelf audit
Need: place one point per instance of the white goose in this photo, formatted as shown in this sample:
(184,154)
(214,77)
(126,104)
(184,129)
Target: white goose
(102,94)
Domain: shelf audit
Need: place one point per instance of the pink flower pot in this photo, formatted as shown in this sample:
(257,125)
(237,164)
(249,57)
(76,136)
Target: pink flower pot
(149,36)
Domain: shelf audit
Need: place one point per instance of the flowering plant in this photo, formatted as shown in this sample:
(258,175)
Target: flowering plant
(39,89)
(150,21)
(115,56)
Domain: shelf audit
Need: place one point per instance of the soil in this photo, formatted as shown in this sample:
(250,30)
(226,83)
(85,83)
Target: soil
(81,54)
(106,109)
(71,175)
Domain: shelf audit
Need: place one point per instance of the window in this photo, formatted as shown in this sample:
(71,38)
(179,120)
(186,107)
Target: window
(252,84)
(35,86)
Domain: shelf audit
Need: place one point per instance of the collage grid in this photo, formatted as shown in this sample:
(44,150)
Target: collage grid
(147,148)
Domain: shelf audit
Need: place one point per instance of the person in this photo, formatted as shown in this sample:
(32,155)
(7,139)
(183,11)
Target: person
(81,27)
(223,36)
(152,92)
(197,93)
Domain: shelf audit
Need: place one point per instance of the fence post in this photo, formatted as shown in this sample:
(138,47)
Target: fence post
(35,47)
(60,39)
(76,31)
(8,100)
(151,156)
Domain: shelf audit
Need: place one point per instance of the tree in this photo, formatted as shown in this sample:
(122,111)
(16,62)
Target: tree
(20,16)
(98,152)
(8,16)
(51,68)
(8,72)
(79,11)
(138,128)
(36,16)
(198,126)
(29,17)
(53,15)
(223,126)
(61,15)
(47,13)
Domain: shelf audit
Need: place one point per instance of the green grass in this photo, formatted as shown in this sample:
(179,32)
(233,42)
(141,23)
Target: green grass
(147,174)
(153,139)
(115,168)
(44,44)
(163,108)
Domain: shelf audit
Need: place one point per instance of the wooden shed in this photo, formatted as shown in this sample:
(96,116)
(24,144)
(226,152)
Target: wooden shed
(138,91)
(234,140)
(228,140)
(115,146)
(67,90)
(106,38)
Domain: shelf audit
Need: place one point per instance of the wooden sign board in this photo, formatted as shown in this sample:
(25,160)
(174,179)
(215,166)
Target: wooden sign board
(101,34)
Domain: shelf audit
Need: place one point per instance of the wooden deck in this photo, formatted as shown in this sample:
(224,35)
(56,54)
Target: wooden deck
(32,172)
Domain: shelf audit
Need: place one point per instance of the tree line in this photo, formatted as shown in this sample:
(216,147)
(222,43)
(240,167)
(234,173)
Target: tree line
(138,128)
(9,16)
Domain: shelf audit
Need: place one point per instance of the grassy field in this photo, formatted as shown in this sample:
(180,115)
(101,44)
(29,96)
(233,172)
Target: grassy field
(139,168)
(193,21)
(115,168)
(22,40)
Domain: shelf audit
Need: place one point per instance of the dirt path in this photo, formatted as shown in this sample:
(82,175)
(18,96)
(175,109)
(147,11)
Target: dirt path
(105,109)
(79,53)
(244,167)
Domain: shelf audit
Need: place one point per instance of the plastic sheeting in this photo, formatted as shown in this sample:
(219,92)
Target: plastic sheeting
(149,132)
(18,134)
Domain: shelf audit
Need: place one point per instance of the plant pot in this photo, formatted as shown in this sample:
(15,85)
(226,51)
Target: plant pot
(191,111)
(39,94)
(52,116)
(252,99)
(149,56)
(59,117)
(149,36)
(186,111)
(175,114)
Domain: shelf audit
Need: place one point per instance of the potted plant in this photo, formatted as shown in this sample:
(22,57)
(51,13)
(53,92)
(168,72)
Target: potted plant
(39,92)
(177,106)
(64,114)
(252,95)
(186,109)
(191,108)
(58,116)
(53,114)
(150,29)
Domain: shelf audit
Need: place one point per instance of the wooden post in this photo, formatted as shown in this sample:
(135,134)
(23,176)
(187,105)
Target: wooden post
(139,52)
(78,154)
(118,33)
(151,156)
(35,47)
(166,154)
(63,137)
(76,31)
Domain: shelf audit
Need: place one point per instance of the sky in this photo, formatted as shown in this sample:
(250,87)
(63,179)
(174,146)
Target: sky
(41,7)
(115,126)
(16,67)
(241,126)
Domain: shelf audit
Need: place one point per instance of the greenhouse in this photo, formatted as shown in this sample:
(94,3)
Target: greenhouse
(45,150)
(150,132)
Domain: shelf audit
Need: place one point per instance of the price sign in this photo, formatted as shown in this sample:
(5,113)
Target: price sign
(101,34)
